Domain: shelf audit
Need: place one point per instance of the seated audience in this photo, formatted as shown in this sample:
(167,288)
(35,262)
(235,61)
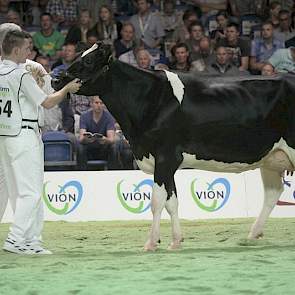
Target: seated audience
(219,32)
(78,33)
(126,42)
(267,70)
(204,56)
(171,19)
(144,59)
(283,60)
(284,32)
(148,26)
(263,48)
(222,65)
(106,28)
(196,31)
(48,40)
(64,12)
(180,58)
(238,48)
(97,120)
(181,33)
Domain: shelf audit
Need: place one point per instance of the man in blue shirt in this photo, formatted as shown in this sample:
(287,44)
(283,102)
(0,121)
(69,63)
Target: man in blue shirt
(263,48)
(97,135)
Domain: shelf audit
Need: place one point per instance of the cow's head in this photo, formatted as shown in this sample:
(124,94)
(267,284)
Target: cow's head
(89,67)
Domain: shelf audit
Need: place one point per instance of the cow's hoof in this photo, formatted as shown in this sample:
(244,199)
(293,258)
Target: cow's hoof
(175,245)
(255,236)
(150,247)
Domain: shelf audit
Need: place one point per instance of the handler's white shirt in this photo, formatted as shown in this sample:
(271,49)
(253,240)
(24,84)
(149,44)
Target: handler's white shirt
(30,95)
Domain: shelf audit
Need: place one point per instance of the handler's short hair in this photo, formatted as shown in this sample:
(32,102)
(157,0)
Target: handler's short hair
(11,40)
(7,27)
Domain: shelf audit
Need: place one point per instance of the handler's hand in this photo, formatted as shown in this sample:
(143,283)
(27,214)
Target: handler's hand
(73,86)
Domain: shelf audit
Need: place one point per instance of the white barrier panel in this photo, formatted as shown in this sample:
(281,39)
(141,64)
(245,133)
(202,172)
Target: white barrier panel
(286,204)
(126,195)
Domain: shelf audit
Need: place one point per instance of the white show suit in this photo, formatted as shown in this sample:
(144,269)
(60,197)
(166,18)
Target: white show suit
(21,160)
(48,90)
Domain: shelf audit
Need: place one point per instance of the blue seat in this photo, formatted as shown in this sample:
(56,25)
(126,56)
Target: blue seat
(58,150)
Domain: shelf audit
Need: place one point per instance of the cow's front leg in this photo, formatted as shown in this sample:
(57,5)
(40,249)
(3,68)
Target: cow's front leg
(172,209)
(273,188)
(158,203)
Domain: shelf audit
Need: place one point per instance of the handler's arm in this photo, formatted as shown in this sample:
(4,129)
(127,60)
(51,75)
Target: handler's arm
(56,97)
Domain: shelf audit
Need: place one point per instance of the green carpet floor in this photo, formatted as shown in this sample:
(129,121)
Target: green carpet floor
(107,258)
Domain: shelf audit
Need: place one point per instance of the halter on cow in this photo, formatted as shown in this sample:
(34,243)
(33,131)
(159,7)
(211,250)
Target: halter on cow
(181,120)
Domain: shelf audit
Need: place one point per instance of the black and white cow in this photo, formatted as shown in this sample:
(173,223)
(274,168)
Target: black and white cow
(181,120)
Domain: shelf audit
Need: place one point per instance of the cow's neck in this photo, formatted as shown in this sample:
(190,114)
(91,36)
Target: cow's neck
(129,97)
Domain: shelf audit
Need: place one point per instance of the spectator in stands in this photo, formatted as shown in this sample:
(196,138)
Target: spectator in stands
(106,27)
(124,7)
(64,12)
(13,16)
(44,61)
(247,7)
(204,57)
(239,48)
(171,19)
(196,31)
(48,40)
(91,38)
(263,48)
(285,4)
(96,120)
(33,13)
(274,10)
(78,33)
(180,58)
(59,118)
(283,60)
(208,7)
(127,41)
(222,65)
(69,54)
(148,26)
(144,59)
(219,32)
(34,52)
(4,6)
(284,32)
(129,57)
(267,70)
(181,34)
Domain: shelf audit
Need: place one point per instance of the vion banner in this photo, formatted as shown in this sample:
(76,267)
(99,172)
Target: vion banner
(127,195)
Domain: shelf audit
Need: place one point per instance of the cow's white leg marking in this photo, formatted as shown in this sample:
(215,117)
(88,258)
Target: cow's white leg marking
(172,209)
(147,164)
(176,84)
(158,203)
(273,187)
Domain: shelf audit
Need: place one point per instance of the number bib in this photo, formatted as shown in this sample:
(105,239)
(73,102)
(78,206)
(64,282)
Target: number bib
(10,113)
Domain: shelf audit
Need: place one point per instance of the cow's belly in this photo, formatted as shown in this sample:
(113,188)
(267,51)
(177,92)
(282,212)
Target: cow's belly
(189,161)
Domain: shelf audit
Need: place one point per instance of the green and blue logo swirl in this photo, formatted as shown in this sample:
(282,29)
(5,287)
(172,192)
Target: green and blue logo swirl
(213,197)
(138,199)
(65,200)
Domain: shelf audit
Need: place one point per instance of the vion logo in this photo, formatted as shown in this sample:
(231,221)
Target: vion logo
(135,198)
(64,199)
(210,196)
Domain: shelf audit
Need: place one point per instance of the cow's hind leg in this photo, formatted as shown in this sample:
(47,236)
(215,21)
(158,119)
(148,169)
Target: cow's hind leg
(172,209)
(273,187)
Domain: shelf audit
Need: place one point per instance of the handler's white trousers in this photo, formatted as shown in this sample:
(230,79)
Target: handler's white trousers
(22,163)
